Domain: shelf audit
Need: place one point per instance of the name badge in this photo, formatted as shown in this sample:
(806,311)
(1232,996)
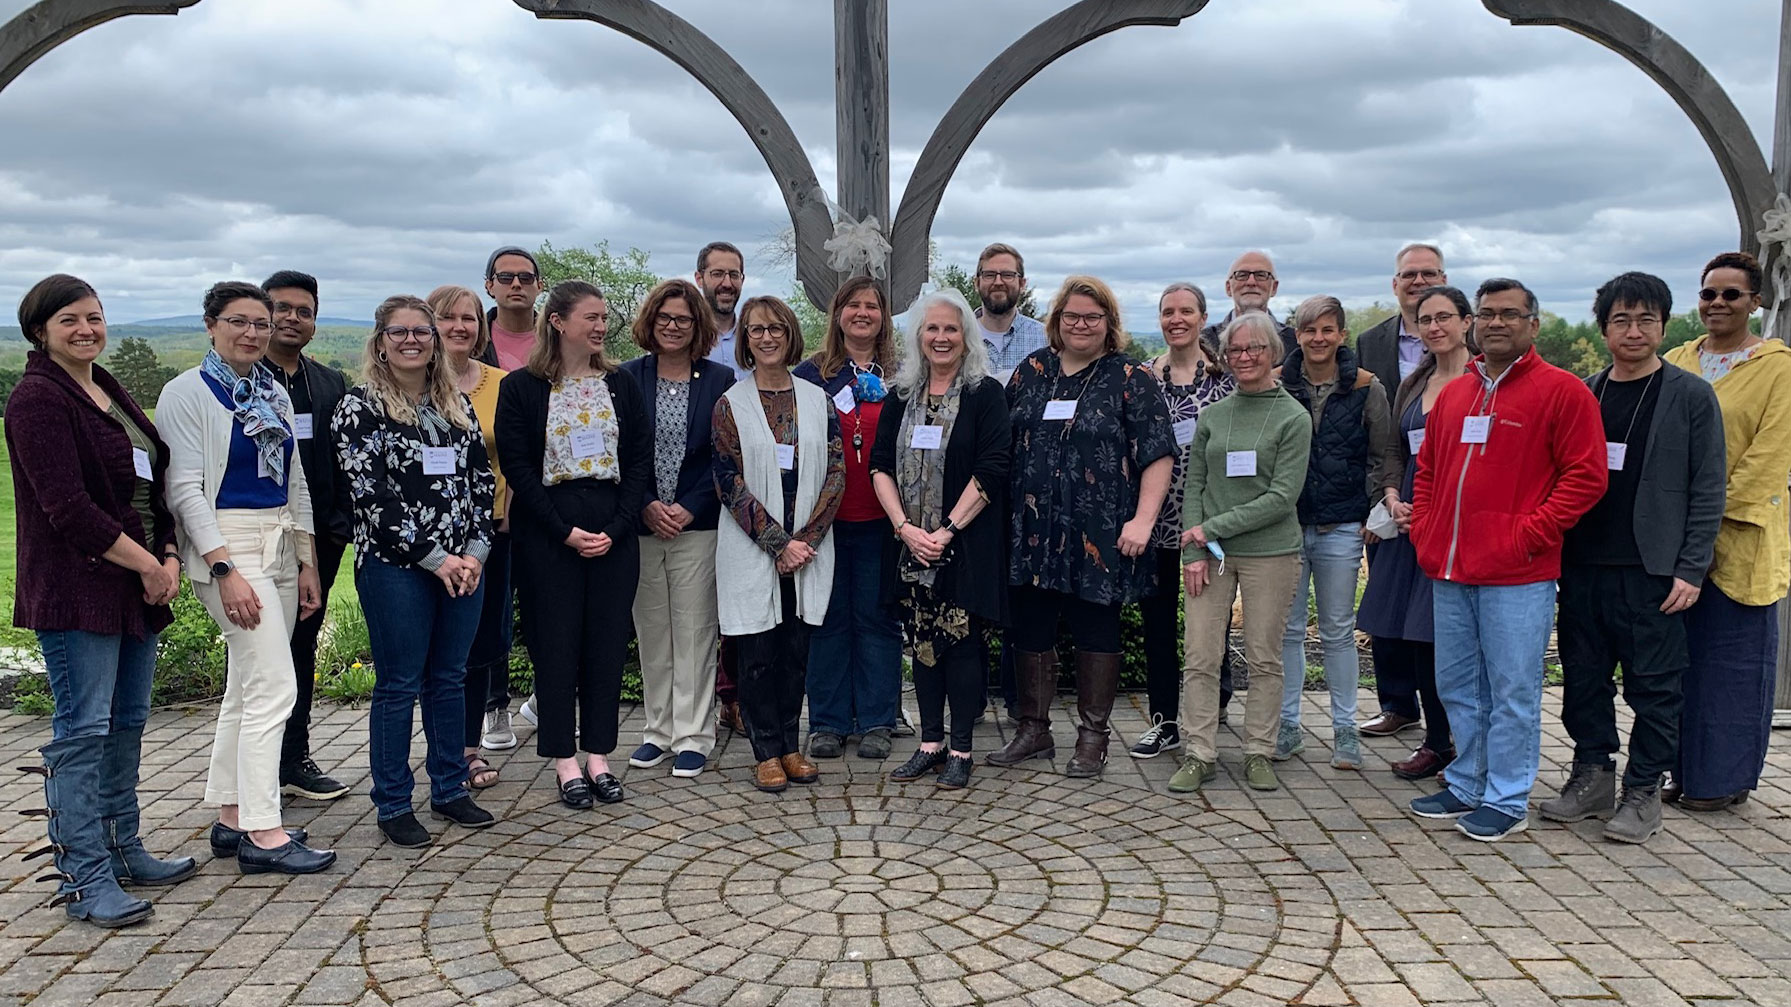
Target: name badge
(926,437)
(1614,454)
(1060,409)
(140,462)
(301,426)
(587,443)
(1415,438)
(1240,463)
(1184,432)
(844,400)
(1475,428)
(786,456)
(438,461)
(261,469)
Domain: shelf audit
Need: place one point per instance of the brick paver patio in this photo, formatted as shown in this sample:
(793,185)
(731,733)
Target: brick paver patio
(1027,888)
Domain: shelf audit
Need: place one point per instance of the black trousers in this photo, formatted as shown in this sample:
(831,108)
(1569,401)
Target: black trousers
(958,677)
(488,663)
(772,676)
(1161,614)
(577,620)
(1415,662)
(1094,628)
(1610,616)
(296,743)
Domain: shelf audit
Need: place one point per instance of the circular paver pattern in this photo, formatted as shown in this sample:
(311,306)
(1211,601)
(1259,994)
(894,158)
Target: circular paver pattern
(717,894)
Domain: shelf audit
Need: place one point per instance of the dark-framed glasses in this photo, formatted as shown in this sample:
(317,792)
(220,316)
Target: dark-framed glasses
(1440,318)
(1729,294)
(506,279)
(677,323)
(718,275)
(401,333)
(1510,316)
(1240,352)
(238,323)
(1076,320)
(1260,275)
(1414,275)
(1004,275)
(776,329)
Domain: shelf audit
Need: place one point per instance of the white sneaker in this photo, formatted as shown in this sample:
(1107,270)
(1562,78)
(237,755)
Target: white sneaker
(527,712)
(498,735)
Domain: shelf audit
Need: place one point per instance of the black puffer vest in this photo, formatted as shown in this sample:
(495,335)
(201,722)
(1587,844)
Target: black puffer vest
(1336,489)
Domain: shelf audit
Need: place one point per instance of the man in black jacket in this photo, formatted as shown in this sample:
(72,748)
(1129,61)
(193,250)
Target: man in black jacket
(315,389)
(1393,349)
(1251,283)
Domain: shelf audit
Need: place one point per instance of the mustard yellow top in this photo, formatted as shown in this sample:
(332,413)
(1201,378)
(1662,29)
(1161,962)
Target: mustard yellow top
(484,396)
(1753,549)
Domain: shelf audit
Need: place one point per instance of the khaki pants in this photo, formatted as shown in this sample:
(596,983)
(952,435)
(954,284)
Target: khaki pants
(1267,584)
(675,620)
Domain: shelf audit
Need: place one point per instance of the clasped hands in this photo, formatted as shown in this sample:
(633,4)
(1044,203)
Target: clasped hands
(460,574)
(927,546)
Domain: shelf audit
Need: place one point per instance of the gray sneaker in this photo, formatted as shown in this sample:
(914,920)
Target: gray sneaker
(1590,792)
(1289,742)
(1347,753)
(498,735)
(1637,818)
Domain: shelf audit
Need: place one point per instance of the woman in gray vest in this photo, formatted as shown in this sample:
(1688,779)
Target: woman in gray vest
(778,459)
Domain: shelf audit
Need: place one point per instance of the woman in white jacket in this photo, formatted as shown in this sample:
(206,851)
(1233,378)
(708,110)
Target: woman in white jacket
(243,518)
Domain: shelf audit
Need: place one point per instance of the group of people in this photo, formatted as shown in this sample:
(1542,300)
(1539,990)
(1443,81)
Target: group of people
(773,529)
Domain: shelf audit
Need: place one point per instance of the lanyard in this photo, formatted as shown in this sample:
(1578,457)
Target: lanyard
(1639,402)
(1087,379)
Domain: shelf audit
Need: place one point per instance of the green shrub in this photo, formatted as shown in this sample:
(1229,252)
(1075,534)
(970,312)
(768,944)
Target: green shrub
(31,695)
(189,663)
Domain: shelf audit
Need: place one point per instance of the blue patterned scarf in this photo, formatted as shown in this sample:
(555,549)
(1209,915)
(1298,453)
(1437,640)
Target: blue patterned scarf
(256,398)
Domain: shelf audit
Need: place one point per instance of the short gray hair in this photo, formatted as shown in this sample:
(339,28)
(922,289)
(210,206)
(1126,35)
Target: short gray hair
(1260,322)
(911,379)
(1199,294)
(1419,246)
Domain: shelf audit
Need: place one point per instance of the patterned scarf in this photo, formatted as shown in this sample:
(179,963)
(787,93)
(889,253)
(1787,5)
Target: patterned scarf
(256,398)
(920,473)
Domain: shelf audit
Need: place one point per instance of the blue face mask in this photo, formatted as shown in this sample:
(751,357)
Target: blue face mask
(869,387)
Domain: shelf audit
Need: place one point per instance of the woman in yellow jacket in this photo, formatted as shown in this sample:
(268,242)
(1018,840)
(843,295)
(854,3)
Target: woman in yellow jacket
(1733,628)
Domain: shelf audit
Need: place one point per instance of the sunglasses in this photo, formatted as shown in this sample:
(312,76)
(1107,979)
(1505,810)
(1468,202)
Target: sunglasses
(1709,294)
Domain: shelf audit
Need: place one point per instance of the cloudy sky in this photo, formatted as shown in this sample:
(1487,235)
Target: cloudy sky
(388,145)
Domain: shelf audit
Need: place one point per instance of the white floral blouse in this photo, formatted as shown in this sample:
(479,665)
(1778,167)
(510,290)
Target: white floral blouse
(582,432)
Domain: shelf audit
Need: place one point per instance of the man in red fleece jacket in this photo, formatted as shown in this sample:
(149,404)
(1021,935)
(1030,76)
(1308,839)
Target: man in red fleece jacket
(1513,455)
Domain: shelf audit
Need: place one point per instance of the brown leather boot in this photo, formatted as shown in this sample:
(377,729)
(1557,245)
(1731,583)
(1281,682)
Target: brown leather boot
(1097,682)
(797,768)
(1035,679)
(769,777)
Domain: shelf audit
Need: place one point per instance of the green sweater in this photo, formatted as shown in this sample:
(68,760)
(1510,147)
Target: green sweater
(1248,515)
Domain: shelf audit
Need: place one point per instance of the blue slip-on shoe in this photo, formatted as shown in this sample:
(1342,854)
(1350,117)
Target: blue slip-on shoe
(1442,804)
(689,764)
(647,756)
(1490,826)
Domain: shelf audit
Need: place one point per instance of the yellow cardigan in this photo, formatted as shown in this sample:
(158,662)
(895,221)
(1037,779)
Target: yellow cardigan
(484,397)
(1753,549)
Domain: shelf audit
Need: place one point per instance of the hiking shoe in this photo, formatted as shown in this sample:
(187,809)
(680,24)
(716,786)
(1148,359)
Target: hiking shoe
(874,744)
(1489,825)
(1163,736)
(1638,816)
(825,745)
(1289,742)
(1590,792)
(647,756)
(1259,775)
(1347,753)
(1195,773)
(304,779)
(1442,804)
(498,736)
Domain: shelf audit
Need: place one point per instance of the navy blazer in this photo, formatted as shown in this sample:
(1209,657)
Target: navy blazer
(696,477)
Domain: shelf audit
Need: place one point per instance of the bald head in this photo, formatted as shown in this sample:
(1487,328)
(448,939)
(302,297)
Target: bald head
(1251,282)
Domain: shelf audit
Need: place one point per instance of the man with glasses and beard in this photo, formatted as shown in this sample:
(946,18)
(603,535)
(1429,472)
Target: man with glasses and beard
(1251,283)
(1001,286)
(720,273)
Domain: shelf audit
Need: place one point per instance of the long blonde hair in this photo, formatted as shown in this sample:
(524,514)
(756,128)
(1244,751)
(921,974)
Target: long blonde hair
(439,388)
(448,297)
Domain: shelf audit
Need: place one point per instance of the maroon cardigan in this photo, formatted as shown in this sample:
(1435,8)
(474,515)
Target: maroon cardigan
(72,478)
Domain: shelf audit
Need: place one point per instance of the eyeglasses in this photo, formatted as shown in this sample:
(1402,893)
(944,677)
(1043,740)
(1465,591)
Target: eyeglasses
(1004,275)
(240,324)
(1262,275)
(1253,350)
(304,314)
(774,329)
(718,275)
(678,322)
(1073,320)
(1510,316)
(1441,318)
(1729,294)
(1427,275)
(1623,323)
(506,279)
(416,334)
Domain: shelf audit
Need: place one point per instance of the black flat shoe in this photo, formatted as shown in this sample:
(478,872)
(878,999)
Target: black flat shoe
(462,811)
(406,831)
(607,788)
(956,774)
(918,765)
(293,858)
(225,840)
(576,794)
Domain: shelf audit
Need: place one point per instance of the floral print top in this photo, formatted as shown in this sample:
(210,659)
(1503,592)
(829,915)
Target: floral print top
(422,491)
(671,424)
(1185,403)
(1716,365)
(1075,481)
(730,480)
(582,432)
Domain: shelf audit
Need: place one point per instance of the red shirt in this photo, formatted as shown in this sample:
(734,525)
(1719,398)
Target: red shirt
(1494,513)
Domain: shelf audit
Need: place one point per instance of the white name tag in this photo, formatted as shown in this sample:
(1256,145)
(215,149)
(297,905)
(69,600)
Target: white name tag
(438,461)
(587,443)
(1184,432)
(1475,428)
(926,437)
(261,469)
(786,456)
(1415,438)
(140,462)
(844,400)
(301,426)
(1614,454)
(1240,463)
(1060,409)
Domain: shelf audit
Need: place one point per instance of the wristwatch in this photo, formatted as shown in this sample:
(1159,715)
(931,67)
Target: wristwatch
(949,526)
(222,568)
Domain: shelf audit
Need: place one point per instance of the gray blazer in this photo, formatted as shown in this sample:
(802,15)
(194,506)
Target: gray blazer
(1679,504)
(1378,350)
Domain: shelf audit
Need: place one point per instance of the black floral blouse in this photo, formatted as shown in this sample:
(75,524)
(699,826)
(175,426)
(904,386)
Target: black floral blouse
(1075,482)
(401,514)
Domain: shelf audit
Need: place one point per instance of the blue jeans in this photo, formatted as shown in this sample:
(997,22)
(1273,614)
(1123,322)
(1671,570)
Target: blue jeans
(1490,642)
(100,682)
(420,637)
(1330,565)
(855,655)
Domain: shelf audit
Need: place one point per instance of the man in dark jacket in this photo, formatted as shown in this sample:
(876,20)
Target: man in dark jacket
(1250,284)
(1635,563)
(315,389)
(1393,349)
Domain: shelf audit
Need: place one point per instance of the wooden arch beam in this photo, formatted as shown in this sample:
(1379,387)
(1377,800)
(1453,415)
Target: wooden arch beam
(47,24)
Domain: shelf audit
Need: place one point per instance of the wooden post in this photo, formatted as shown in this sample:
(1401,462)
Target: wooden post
(861,106)
(1781,177)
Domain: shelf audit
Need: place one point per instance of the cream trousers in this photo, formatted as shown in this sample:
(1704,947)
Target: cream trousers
(675,620)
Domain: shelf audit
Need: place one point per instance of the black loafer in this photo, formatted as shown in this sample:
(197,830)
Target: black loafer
(462,811)
(406,831)
(293,858)
(607,788)
(576,794)
(225,840)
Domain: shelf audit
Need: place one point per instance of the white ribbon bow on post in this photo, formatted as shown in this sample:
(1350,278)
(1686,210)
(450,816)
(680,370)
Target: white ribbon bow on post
(856,245)
(1775,242)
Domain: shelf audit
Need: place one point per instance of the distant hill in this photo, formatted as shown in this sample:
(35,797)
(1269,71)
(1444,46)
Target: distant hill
(198,322)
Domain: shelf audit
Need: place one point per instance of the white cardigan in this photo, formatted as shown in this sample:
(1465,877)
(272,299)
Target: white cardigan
(197,428)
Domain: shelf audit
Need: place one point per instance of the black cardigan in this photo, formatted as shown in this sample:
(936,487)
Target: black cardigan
(522,444)
(696,475)
(981,445)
